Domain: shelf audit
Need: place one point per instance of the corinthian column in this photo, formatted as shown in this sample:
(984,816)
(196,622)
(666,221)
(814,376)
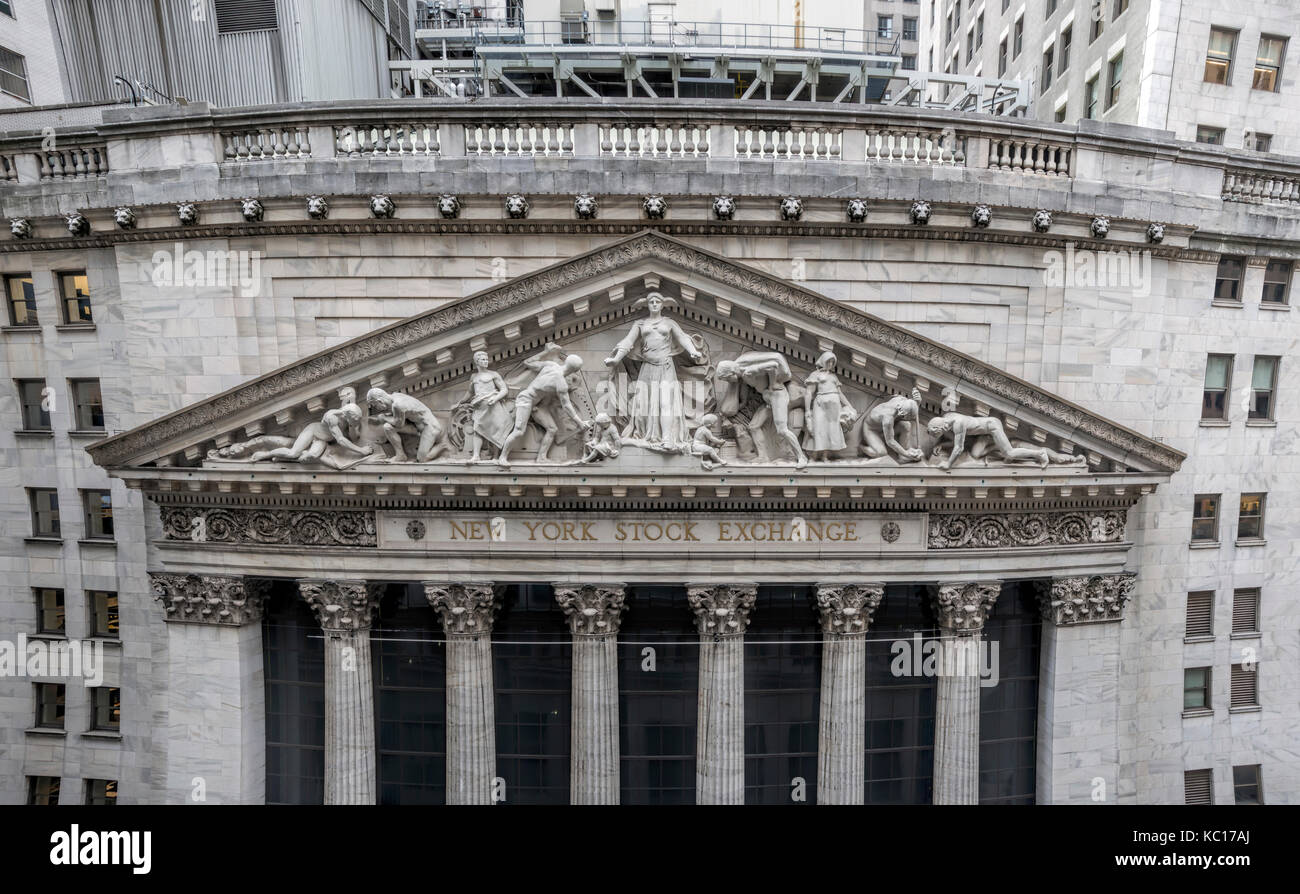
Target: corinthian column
(593,612)
(721,616)
(962,610)
(213,621)
(467,612)
(345,609)
(845,612)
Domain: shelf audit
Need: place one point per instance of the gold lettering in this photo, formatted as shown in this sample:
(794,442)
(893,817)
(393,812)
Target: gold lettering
(690,532)
(619,534)
(724,532)
(532,529)
(851,531)
(815,531)
(586,530)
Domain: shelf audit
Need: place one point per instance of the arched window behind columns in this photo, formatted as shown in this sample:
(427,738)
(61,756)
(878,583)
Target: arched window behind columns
(532,665)
(1009,710)
(658,681)
(410,673)
(782,696)
(293,652)
(900,701)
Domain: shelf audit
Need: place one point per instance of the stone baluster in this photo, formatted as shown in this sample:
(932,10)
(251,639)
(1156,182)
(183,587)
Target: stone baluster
(345,610)
(593,612)
(845,611)
(467,612)
(962,610)
(214,621)
(721,616)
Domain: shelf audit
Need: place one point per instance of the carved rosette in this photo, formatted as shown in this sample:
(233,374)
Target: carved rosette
(963,608)
(1080,600)
(465,609)
(207,599)
(592,609)
(342,606)
(847,609)
(982,531)
(721,610)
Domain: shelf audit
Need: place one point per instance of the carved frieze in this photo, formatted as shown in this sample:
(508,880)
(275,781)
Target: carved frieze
(997,529)
(963,608)
(721,610)
(465,609)
(207,599)
(1076,600)
(592,609)
(847,609)
(296,527)
(342,606)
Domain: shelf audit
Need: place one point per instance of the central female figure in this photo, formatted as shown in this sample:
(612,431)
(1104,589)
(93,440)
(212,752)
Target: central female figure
(657,416)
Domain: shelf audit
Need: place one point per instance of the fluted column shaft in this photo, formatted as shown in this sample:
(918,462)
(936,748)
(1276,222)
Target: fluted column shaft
(593,613)
(845,612)
(345,610)
(467,612)
(721,616)
(962,610)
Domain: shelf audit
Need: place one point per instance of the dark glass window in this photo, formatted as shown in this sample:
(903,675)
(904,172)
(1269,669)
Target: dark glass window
(1002,57)
(103,613)
(43,790)
(1116,72)
(1246,787)
(1091,95)
(782,696)
(45,512)
(107,701)
(76,297)
(1211,135)
(88,403)
(1205,518)
(294,653)
(99,514)
(532,660)
(1263,382)
(410,657)
(1009,710)
(1196,689)
(51,616)
(1017,38)
(35,407)
(21,298)
(51,699)
(900,703)
(1098,25)
(1277,276)
(1048,55)
(1066,37)
(658,676)
(101,791)
(1250,517)
(1218,379)
(1227,282)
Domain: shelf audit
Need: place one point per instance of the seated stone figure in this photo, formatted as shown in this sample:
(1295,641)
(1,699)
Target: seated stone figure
(400,413)
(603,440)
(704,443)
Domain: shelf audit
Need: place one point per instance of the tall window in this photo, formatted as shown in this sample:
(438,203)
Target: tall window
(1017,37)
(1116,74)
(51,699)
(657,702)
(32,400)
(1002,58)
(294,657)
(1120,6)
(909,28)
(979,31)
(885,26)
(13,75)
(1091,96)
(20,297)
(1196,689)
(103,613)
(900,708)
(1245,686)
(1009,711)
(107,705)
(51,616)
(1218,378)
(1250,517)
(1263,383)
(98,505)
(1047,67)
(1268,63)
(909,62)
(101,792)
(43,790)
(1277,282)
(970,45)
(1227,281)
(1246,785)
(1051,8)
(1198,787)
(1245,610)
(1066,37)
(1098,24)
(1205,518)
(87,404)
(1200,614)
(782,697)
(45,511)
(75,289)
(1218,57)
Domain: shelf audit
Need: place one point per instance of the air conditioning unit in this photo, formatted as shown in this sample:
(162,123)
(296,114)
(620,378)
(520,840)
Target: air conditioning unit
(605,7)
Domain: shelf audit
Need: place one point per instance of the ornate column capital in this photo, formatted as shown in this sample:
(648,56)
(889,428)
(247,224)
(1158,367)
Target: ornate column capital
(963,608)
(592,609)
(847,609)
(721,609)
(1086,599)
(465,609)
(342,606)
(206,598)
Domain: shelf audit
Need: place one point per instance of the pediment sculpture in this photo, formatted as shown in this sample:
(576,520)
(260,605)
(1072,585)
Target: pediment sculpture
(694,399)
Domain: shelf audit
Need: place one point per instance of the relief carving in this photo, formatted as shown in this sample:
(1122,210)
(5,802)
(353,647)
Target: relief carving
(847,609)
(963,608)
(1074,600)
(465,609)
(989,530)
(721,610)
(206,599)
(298,527)
(342,606)
(592,610)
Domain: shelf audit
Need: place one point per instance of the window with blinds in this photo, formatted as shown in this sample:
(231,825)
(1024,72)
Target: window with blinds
(245,15)
(1198,787)
(1200,613)
(1245,611)
(1244,689)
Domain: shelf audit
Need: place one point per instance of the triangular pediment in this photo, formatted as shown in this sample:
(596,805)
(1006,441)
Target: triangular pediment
(587,306)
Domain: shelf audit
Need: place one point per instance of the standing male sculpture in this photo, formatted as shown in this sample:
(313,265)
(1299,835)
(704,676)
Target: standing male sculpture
(535,403)
(767,373)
